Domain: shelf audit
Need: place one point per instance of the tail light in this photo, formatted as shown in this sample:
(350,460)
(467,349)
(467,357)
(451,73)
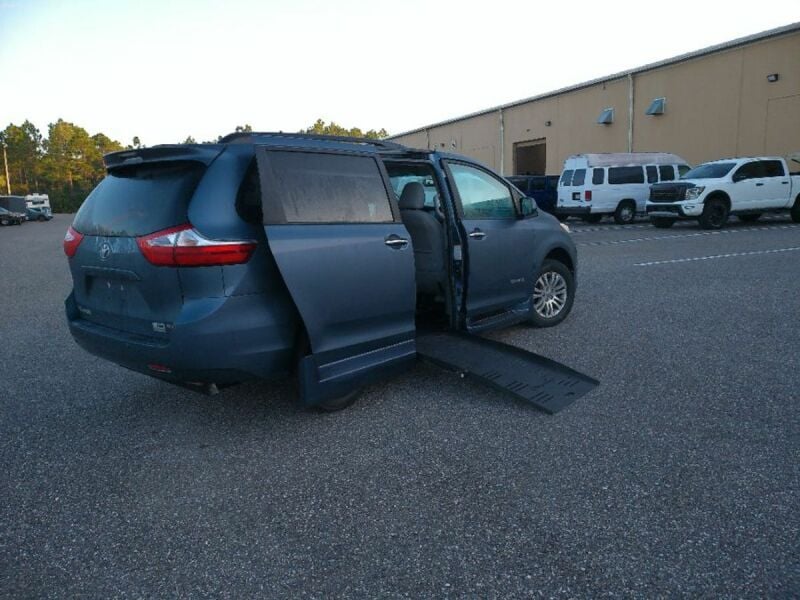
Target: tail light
(184,246)
(587,195)
(72,240)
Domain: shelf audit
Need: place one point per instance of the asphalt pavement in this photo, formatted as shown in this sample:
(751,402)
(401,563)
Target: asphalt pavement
(677,476)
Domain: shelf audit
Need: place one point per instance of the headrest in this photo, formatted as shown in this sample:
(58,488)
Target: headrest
(413,196)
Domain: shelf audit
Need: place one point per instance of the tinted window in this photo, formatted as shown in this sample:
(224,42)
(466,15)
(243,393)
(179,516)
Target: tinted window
(579,177)
(773,168)
(248,201)
(618,175)
(566,177)
(667,172)
(140,199)
(751,170)
(329,188)
(537,183)
(482,196)
(652,174)
(400,175)
(708,171)
(598,176)
(683,170)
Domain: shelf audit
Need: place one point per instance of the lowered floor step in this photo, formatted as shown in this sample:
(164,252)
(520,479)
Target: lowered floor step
(548,385)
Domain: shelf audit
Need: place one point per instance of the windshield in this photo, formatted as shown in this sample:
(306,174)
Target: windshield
(709,171)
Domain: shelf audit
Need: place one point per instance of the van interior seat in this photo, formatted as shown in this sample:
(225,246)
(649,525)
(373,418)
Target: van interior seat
(427,237)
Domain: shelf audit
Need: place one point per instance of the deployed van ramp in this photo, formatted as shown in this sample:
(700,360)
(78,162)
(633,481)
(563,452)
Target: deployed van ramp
(548,385)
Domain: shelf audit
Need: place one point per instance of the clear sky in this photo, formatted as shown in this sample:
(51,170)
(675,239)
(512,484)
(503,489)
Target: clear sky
(163,70)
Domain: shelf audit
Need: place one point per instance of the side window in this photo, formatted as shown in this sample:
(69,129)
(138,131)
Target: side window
(248,200)
(482,196)
(667,172)
(328,188)
(598,176)
(579,177)
(401,174)
(652,174)
(566,178)
(682,170)
(622,175)
(773,168)
(751,170)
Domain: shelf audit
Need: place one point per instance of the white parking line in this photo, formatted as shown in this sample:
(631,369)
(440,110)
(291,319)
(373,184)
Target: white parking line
(687,235)
(732,254)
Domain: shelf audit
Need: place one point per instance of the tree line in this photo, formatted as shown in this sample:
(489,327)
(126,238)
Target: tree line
(67,163)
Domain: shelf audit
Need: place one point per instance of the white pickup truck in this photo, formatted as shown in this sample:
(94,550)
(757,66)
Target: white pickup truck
(711,192)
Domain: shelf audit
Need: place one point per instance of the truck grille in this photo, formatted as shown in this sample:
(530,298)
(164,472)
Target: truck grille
(667,193)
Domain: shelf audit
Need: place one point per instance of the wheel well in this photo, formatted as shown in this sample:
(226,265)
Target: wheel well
(561,256)
(720,196)
(624,200)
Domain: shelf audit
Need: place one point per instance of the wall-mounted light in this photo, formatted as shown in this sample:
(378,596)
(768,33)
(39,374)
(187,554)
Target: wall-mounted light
(773,77)
(548,123)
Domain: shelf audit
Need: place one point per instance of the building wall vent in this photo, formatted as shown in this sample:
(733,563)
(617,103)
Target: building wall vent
(656,107)
(606,117)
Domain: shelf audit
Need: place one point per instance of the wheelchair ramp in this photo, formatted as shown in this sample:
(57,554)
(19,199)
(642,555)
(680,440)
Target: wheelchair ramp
(548,385)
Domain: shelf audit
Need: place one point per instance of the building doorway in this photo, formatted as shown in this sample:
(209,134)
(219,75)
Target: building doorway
(530,158)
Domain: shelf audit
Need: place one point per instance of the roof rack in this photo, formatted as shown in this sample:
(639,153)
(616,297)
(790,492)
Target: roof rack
(243,137)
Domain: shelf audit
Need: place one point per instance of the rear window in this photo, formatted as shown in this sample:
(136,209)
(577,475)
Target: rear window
(140,199)
(579,177)
(566,177)
(621,175)
(773,168)
(329,188)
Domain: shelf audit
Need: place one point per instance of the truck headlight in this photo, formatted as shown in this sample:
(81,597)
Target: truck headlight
(694,192)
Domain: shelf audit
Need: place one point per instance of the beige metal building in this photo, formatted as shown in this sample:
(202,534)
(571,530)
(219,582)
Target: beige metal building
(737,98)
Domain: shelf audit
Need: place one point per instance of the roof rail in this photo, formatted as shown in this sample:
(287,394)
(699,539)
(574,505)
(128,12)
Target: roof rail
(243,137)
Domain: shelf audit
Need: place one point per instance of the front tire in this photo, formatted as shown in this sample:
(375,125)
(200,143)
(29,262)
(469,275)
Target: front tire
(625,213)
(553,294)
(662,222)
(715,214)
(795,212)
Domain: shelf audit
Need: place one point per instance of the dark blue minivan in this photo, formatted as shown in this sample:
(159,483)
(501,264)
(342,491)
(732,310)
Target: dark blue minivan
(271,254)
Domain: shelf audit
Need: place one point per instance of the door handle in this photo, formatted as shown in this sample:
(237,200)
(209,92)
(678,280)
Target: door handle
(396,242)
(784,183)
(477,234)
(759,184)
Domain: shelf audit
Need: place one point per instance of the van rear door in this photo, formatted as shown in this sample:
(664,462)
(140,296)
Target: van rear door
(334,229)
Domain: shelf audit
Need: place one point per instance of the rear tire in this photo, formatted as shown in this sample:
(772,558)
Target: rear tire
(795,212)
(751,218)
(625,213)
(340,403)
(662,222)
(592,218)
(715,214)
(553,294)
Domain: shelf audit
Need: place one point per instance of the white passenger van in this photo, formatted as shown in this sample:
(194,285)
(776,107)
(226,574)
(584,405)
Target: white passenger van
(593,185)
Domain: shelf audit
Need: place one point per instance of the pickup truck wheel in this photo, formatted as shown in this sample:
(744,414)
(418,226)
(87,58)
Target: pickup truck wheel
(749,218)
(625,213)
(795,212)
(592,218)
(4,222)
(553,294)
(715,214)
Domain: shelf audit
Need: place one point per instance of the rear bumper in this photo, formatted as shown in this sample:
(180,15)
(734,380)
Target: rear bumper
(224,346)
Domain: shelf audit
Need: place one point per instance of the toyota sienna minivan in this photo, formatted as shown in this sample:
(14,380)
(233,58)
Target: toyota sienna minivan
(268,254)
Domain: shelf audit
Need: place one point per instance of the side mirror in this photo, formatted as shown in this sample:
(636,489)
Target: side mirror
(527,207)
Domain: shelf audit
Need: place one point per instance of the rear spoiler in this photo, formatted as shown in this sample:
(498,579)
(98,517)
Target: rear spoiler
(204,153)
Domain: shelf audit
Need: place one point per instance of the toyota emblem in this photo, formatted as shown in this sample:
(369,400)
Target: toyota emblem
(105,251)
